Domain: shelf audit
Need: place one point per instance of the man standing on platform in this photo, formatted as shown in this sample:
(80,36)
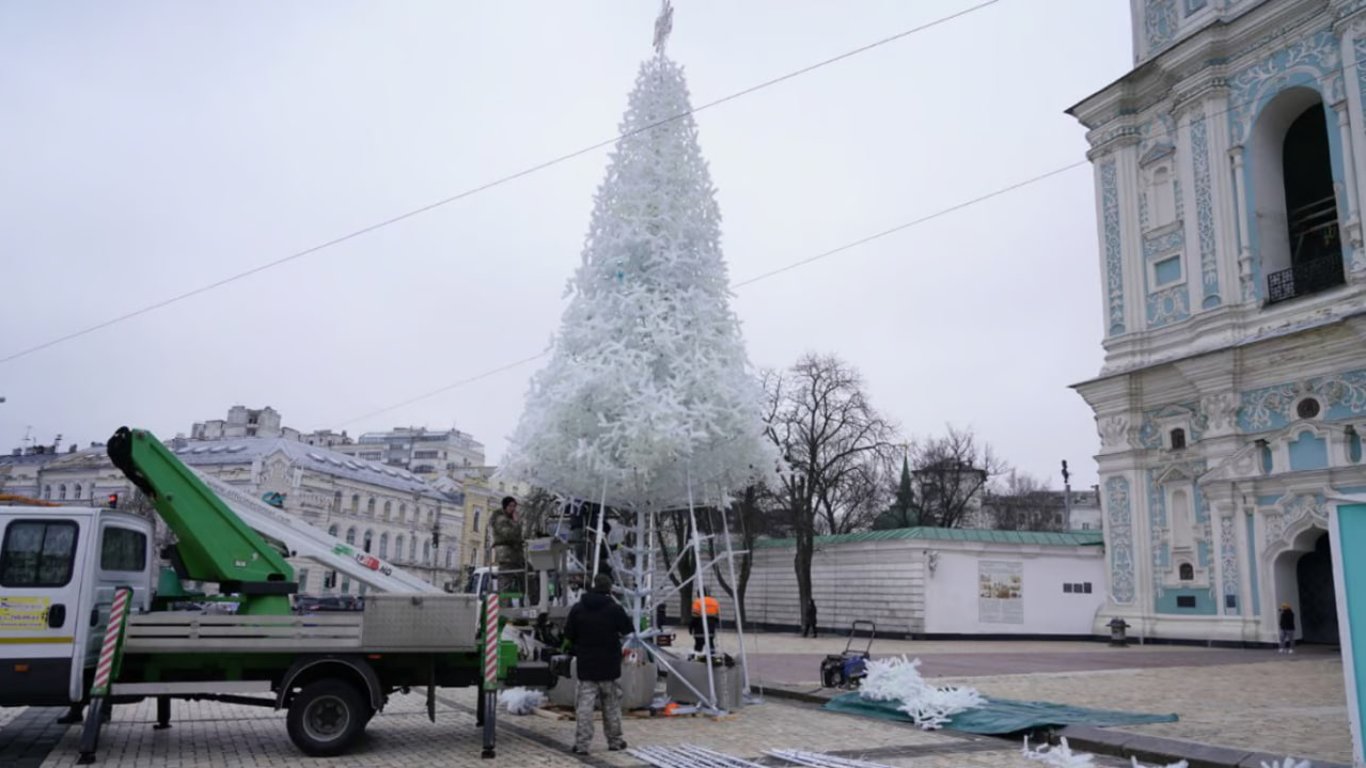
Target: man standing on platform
(595,629)
(508,548)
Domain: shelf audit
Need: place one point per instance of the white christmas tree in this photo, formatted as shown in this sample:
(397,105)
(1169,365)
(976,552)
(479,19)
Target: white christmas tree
(648,388)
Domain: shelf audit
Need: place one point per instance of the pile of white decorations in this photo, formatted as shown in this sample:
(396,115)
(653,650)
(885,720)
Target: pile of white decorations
(521,701)
(1062,756)
(930,707)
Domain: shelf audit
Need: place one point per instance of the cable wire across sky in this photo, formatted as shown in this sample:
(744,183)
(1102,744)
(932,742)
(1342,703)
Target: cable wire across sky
(163,303)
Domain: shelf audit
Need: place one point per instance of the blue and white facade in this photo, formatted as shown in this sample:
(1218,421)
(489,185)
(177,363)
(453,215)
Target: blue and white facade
(1229,167)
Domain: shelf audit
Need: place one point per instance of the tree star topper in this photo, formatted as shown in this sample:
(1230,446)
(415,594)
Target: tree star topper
(663,25)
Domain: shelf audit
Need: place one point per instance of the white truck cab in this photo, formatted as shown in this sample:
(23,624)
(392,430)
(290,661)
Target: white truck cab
(59,567)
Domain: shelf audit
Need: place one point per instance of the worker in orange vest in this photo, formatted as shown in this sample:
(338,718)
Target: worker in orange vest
(713,610)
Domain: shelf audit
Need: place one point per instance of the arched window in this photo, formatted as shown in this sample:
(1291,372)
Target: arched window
(370,507)
(47,492)
(426,553)
(388,509)
(365,541)
(384,545)
(336,501)
(1187,572)
(77,494)
(431,516)
(398,547)
(1290,179)
(1178,439)
(355,503)
(332,530)
(412,549)
(402,512)
(450,559)
(61,492)
(351,535)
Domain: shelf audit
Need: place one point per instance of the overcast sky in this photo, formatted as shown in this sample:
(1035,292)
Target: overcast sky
(149,148)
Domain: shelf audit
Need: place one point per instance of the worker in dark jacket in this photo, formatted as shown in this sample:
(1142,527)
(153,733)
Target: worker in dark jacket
(594,629)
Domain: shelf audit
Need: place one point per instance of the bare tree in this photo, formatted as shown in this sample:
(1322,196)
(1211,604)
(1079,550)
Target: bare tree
(829,435)
(951,474)
(1024,503)
(749,518)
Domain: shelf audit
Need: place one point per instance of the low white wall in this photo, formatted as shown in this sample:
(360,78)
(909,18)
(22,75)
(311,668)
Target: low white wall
(954,606)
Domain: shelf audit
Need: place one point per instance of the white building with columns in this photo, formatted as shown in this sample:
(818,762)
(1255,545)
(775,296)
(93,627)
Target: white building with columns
(1232,401)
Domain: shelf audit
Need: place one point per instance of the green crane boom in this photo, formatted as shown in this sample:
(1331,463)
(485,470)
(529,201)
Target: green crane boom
(213,544)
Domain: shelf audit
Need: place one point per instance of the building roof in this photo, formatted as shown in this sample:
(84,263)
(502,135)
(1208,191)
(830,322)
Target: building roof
(1036,538)
(198,453)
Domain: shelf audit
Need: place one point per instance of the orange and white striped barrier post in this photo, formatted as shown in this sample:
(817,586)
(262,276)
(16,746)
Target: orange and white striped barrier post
(106,670)
(490,687)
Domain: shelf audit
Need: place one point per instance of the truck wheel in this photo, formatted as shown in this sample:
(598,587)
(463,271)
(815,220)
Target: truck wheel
(326,717)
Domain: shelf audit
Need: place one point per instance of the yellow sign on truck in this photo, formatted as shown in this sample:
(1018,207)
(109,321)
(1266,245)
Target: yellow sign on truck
(24,612)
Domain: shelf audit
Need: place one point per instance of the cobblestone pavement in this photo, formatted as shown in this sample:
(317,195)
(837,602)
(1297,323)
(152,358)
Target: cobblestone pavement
(1285,705)
(216,734)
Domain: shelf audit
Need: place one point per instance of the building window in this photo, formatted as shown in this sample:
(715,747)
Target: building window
(402,512)
(384,545)
(388,509)
(477,510)
(303,581)
(1291,170)
(355,503)
(61,492)
(370,507)
(332,530)
(346,586)
(1067,588)
(1086,587)
(365,542)
(47,492)
(426,553)
(1187,572)
(1307,408)
(431,516)
(1353,445)
(398,547)
(77,493)
(412,549)
(1178,439)
(351,535)
(1167,271)
(337,501)
(1185,601)
(450,559)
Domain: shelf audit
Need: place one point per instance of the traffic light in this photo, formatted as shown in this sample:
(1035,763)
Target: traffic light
(113,501)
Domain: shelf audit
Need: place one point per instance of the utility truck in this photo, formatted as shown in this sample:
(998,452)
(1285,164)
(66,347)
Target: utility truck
(87,614)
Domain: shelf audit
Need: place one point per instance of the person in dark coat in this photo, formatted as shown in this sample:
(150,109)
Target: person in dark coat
(1287,624)
(809,624)
(595,629)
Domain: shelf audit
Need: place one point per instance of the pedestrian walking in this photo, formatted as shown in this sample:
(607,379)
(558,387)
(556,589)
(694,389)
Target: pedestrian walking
(809,621)
(594,629)
(1287,629)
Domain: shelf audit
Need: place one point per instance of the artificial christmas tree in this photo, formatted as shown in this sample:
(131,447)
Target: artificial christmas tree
(648,394)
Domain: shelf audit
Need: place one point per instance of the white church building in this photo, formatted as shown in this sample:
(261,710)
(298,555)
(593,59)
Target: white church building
(1229,168)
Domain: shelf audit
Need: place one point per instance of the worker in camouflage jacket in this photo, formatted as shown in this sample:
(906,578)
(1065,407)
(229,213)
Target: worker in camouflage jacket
(508,548)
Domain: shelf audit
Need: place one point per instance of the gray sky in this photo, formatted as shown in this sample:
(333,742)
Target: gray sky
(152,147)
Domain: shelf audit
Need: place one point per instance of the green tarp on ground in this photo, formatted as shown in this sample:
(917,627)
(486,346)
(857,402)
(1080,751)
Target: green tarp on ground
(1001,716)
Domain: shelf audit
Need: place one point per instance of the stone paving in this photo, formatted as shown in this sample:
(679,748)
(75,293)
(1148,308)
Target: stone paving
(1283,705)
(216,734)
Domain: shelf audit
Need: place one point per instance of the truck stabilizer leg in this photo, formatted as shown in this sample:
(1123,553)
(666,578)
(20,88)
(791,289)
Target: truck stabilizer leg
(90,732)
(490,720)
(163,713)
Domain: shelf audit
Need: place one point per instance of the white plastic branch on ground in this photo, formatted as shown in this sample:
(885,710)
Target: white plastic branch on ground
(521,701)
(898,679)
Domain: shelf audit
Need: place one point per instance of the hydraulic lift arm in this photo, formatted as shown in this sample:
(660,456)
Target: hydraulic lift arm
(213,544)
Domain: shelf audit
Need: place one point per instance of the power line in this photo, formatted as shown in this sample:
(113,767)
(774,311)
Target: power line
(485,187)
(764,276)
(870,238)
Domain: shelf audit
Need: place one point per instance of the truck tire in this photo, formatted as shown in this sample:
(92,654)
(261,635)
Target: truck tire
(326,717)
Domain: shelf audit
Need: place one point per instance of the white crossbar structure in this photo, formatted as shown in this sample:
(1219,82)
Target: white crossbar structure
(303,540)
(635,575)
(821,760)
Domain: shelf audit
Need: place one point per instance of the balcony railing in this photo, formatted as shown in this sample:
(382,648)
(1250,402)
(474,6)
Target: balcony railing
(1304,279)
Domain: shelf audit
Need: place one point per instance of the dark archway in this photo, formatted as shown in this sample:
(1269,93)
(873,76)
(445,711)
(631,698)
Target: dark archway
(1311,210)
(1318,604)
